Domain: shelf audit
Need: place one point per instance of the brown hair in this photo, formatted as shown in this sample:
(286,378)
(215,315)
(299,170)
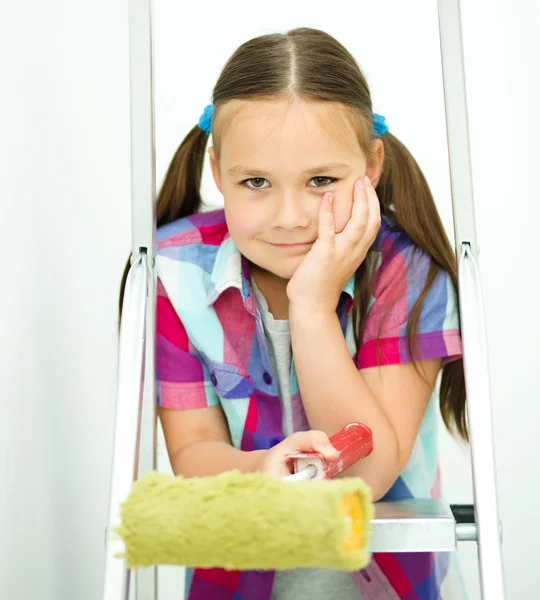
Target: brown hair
(310,64)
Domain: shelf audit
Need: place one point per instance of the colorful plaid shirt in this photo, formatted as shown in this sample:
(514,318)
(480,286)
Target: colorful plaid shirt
(211,351)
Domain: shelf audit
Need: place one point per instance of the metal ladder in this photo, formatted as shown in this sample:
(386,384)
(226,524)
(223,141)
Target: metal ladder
(404,526)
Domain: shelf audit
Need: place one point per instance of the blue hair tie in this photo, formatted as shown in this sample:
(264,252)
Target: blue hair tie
(205,122)
(379,125)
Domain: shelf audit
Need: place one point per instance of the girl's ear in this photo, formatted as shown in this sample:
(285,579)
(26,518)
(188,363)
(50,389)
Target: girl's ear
(215,168)
(375,165)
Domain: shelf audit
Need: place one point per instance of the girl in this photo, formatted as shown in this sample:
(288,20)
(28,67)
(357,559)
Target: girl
(329,247)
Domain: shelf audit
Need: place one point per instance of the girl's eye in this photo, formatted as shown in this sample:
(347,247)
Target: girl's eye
(322,181)
(255,183)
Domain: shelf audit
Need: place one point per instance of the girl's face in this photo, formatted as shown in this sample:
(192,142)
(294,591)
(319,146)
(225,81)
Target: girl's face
(277,160)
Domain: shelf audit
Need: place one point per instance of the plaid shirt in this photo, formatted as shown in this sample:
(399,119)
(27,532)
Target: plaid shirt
(211,350)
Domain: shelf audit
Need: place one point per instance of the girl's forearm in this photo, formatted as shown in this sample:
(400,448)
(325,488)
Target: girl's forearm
(210,457)
(334,394)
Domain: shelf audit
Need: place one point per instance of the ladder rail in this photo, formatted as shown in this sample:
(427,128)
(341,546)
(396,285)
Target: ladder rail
(473,327)
(479,411)
(129,397)
(135,429)
(143,226)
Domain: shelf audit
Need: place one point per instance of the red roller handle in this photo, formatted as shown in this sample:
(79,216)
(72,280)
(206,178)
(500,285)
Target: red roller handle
(353,442)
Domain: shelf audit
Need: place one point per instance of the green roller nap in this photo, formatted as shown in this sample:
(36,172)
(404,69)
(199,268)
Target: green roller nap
(246,521)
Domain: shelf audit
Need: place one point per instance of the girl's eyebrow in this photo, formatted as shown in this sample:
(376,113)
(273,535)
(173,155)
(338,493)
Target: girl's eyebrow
(246,170)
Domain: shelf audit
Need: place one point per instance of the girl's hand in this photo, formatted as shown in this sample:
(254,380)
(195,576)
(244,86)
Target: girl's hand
(317,283)
(275,461)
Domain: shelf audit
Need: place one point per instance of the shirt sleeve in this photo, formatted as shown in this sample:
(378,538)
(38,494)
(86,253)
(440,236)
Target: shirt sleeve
(182,378)
(398,283)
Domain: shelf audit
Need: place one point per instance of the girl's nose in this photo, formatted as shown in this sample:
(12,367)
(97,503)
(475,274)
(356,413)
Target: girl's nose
(291,211)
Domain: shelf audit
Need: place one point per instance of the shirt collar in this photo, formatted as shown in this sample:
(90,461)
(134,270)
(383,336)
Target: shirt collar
(231,270)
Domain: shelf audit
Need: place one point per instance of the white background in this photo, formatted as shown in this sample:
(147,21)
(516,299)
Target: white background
(65,232)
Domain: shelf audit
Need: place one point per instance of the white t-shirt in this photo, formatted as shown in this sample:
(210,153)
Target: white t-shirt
(297,584)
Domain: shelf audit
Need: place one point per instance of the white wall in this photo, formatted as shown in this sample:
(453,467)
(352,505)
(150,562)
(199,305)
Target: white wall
(501,43)
(65,226)
(65,233)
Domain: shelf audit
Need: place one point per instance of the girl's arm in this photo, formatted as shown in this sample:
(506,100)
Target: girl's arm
(199,444)
(195,428)
(391,400)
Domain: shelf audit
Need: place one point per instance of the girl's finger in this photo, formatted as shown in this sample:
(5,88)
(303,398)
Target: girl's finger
(374,208)
(357,224)
(326,219)
(311,441)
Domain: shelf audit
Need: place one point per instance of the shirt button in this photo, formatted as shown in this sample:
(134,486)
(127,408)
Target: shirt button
(213,379)
(267,378)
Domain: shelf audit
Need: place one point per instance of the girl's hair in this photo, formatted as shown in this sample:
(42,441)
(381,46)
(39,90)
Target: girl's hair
(311,65)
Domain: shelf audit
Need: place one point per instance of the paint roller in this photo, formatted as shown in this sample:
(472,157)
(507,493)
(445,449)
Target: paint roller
(256,521)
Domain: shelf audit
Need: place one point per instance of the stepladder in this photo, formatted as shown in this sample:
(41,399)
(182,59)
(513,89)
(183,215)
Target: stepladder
(405,526)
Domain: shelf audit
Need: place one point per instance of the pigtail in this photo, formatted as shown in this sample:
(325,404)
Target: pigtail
(180,194)
(406,199)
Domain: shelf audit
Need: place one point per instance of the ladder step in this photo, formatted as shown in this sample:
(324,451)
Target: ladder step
(416,525)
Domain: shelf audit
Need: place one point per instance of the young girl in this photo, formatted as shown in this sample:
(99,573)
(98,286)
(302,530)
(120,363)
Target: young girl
(323,294)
